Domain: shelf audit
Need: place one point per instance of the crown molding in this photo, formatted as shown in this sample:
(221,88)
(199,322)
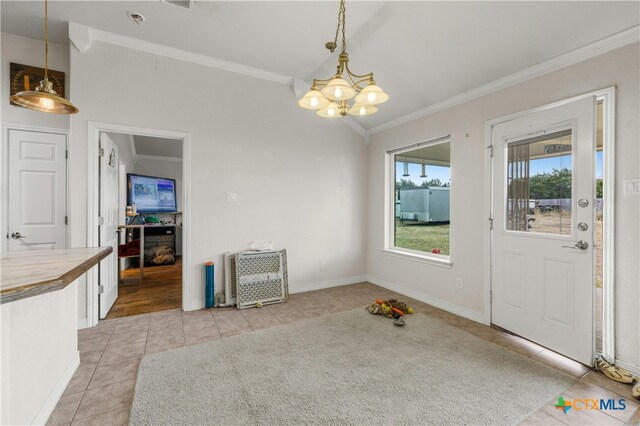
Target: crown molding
(82,37)
(613,42)
(158,158)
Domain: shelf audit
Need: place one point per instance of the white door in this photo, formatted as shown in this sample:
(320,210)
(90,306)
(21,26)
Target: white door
(37,190)
(109,162)
(543,211)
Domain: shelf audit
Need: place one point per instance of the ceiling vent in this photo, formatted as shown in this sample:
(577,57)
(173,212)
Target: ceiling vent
(182,4)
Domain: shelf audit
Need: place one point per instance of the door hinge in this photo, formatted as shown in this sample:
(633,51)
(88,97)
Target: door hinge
(66,220)
(490,296)
(490,223)
(66,154)
(490,148)
(100,289)
(101,152)
(100,220)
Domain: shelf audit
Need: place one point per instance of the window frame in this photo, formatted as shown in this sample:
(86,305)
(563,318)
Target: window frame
(389,246)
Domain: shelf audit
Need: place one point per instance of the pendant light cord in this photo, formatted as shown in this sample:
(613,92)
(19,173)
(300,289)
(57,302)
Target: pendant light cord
(46,40)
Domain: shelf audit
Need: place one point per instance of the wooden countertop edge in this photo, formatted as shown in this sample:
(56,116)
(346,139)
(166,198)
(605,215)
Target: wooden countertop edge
(43,287)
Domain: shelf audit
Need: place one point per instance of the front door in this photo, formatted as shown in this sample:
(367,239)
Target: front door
(543,216)
(109,162)
(37,190)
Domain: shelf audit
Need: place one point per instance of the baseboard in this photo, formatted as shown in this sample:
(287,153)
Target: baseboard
(50,404)
(438,303)
(337,282)
(635,369)
(83,323)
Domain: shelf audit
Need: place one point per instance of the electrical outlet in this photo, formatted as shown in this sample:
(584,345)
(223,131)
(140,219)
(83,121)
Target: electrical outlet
(323,264)
(459,283)
(232,197)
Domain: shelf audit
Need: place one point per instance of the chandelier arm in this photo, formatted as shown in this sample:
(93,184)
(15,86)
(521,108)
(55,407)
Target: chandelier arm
(352,74)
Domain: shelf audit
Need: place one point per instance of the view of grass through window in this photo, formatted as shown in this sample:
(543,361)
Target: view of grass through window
(422,199)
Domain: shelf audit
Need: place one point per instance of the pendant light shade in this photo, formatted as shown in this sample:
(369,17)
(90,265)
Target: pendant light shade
(330,111)
(313,100)
(360,110)
(338,89)
(371,95)
(44,98)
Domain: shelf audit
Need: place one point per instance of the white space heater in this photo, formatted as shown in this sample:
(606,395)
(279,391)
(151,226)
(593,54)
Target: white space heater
(255,276)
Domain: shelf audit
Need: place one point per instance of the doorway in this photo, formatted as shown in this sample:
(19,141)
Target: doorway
(545,234)
(139,198)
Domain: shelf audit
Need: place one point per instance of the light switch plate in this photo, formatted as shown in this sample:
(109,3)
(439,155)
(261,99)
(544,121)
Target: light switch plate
(631,186)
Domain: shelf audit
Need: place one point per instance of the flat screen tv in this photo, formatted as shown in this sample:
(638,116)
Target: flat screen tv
(152,194)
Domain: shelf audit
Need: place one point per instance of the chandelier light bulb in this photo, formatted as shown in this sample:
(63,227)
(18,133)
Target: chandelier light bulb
(372,95)
(330,111)
(338,89)
(337,93)
(313,99)
(360,110)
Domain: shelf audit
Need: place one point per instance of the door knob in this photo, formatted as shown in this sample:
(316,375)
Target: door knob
(580,245)
(17,236)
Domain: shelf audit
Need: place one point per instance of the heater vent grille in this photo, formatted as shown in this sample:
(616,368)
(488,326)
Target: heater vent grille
(182,4)
(252,277)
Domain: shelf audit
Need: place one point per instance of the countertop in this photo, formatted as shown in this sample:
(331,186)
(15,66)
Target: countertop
(26,274)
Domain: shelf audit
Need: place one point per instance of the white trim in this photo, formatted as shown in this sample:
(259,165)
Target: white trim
(433,301)
(134,152)
(336,282)
(419,256)
(49,405)
(157,158)
(608,247)
(4,176)
(83,323)
(608,95)
(93,137)
(635,369)
(82,37)
(615,41)
(174,53)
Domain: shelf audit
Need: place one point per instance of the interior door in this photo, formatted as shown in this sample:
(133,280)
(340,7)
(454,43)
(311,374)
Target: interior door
(542,242)
(109,162)
(37,190)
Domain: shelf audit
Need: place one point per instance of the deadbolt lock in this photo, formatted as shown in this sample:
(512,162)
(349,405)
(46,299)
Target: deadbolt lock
(583,226)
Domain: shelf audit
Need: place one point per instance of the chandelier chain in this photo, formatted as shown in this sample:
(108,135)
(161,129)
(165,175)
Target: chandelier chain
(341,24)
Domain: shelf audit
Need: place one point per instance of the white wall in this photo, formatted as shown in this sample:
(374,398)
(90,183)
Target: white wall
(167,169)
(300,181)
(28,51)
(39,354)
(468,220)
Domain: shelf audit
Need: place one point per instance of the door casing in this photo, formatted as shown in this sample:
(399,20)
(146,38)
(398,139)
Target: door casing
(607,95)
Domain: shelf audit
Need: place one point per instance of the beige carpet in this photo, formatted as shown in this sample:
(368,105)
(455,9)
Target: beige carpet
(347,368)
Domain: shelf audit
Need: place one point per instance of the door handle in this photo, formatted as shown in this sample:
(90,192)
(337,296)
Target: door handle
(17,236)
(580,245)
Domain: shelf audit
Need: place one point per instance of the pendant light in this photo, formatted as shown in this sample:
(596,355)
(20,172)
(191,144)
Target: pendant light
(330,97)
(44,98)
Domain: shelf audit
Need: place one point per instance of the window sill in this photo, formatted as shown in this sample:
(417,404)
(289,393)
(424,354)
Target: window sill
(416,256)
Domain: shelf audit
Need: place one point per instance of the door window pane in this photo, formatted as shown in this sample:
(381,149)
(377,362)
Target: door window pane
(422,199)
(539,179)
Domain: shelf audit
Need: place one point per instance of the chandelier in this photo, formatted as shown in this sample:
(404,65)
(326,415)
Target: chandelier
(330,97)
(44,98)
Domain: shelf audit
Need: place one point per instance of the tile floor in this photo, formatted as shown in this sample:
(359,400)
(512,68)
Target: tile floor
(101,391)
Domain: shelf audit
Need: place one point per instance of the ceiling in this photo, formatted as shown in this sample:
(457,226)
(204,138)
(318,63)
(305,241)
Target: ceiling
(161,147)
(421,52)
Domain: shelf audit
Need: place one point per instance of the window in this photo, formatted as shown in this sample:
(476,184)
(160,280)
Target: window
(539,180)
(421,199)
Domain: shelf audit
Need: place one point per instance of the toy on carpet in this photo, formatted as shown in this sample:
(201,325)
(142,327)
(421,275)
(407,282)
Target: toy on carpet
(391,308)
(619,374)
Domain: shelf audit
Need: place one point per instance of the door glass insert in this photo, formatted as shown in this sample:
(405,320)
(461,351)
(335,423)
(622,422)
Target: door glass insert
(539,181)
